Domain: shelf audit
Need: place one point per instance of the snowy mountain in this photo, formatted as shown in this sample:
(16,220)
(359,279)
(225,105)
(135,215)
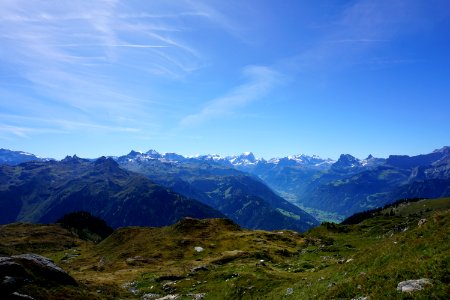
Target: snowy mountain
(339,187)
(212,180)
(372,162)
(10,157)
(246,161)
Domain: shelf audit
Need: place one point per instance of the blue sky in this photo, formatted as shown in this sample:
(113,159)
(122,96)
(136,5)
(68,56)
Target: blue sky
(194,77)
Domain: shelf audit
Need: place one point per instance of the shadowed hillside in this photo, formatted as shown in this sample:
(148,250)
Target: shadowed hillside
(45,191)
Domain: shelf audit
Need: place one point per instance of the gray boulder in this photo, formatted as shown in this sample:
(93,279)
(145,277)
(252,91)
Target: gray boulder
(8,267)
(43,267)
(17,270)
(413,285)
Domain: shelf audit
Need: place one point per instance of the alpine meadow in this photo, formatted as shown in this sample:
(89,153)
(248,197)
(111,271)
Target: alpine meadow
(258,149)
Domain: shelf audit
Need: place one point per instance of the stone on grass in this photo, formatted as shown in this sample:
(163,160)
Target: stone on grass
(413,285)
(199,268)
(149,296)
(44,267)
(421,222)
(170,297)
(198,296)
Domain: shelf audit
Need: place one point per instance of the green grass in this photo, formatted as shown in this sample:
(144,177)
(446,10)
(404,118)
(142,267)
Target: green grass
(331,261)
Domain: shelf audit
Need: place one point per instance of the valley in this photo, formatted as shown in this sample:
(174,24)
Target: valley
(235,150)
(207,227)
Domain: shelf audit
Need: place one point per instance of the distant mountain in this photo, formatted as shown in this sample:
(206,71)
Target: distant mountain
(408,162)
(242,197)
(351,185)
(325,187)
(339,188)
(10,157)
(43,192)
(252,190)
(345,163)
(247,161)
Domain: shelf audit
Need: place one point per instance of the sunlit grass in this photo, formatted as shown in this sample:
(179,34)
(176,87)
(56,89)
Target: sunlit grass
(330,261)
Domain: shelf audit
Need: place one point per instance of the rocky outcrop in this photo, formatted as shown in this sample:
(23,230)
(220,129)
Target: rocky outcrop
(17,270)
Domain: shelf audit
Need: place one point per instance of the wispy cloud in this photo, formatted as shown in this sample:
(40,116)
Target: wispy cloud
(357,41)
(356,32)
(113,45)
(11,124)
(72,57)
(23,132)
(260,80)
(48,34)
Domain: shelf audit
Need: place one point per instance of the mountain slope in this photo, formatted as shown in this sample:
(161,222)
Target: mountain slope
(350,187)
(241,197)
(45,191)
(215,259)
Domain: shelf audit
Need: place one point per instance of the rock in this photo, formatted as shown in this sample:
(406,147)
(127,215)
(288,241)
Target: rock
(289,291)
(150,296)
(261,263)
(168,287)
(361,298)
(18,296)
(199,268)
(413,285)
(421,222)
(9,285)
(198,296)
(349,260)
(169,297)
(18,269)
(8,267)
(199,249)
(43,267)
(131,287)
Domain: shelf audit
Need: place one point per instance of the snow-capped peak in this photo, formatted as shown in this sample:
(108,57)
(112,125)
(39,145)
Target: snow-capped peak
(27,154)
(372,161)
(245,159)
(346,161)
(152,152)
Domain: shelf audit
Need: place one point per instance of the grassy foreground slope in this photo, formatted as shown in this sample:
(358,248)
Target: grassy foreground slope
(215,259)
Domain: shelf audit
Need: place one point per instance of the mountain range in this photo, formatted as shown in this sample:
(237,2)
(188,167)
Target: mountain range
(44,191)
(275,193)
(328,189)
(9,157)
(242,197)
